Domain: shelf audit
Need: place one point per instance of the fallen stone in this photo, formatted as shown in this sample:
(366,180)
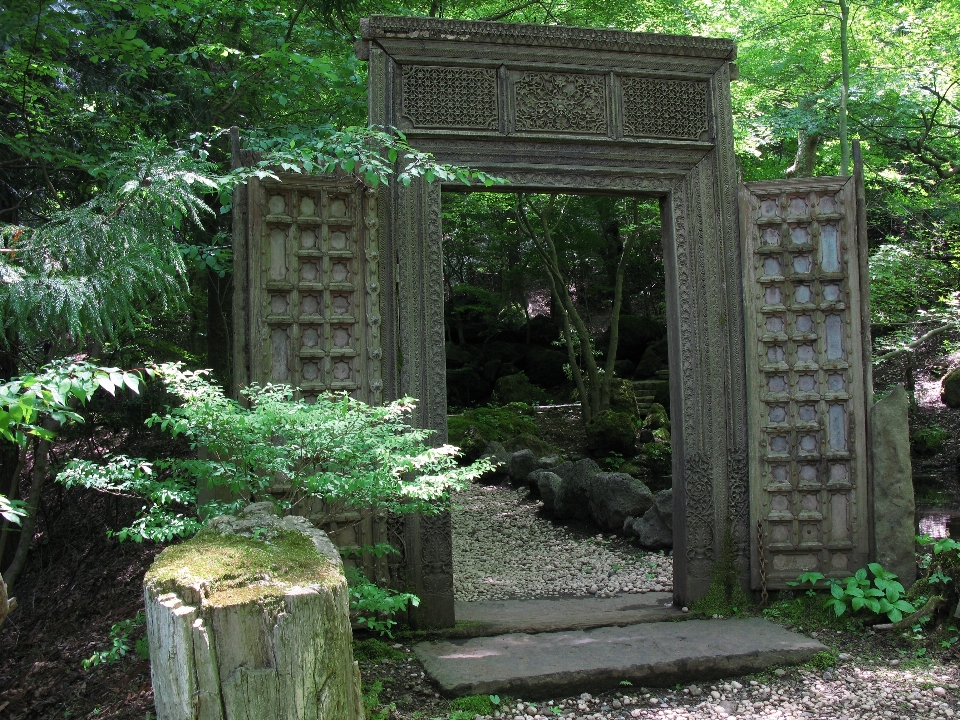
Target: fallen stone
(661,654)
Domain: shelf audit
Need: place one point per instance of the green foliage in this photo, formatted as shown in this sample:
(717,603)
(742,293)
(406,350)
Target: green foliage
(904,280)
(116,255)
(373,710)
(483,425)
(12,510)
(657,457)
(929,440)
(725,597)
(135,477)
(120,638)
(374,650)
(883,595)
(374,606)
(476,704)
(54,392)
(823,661)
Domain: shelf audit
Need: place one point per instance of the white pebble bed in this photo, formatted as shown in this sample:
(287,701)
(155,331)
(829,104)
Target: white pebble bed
(503,550)
(852,691)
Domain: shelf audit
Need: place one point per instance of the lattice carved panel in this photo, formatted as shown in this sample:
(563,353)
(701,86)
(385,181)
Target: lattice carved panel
(808,454)
(315,305)
(561,102)
(664,108)
(450,97)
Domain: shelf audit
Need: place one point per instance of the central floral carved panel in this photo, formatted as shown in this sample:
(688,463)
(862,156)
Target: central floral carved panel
(561,102)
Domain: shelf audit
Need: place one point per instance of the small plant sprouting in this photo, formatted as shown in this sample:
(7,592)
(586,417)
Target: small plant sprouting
(120,643)
(626,683)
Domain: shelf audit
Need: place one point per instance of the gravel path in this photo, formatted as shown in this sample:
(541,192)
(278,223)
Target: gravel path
(502,550)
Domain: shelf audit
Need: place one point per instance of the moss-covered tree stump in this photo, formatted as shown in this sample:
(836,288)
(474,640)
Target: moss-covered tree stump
(249,620)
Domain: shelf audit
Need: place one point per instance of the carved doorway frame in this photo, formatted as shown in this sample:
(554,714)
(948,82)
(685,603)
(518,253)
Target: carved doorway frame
(586,111)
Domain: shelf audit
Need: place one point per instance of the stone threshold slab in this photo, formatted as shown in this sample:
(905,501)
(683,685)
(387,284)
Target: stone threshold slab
(549,665)
(500,617)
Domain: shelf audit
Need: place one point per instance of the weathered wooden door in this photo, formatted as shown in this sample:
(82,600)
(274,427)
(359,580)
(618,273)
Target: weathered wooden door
(806,382)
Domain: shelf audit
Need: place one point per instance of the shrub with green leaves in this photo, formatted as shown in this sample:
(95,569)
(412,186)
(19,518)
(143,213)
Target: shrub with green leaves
(883,595)
(336,449)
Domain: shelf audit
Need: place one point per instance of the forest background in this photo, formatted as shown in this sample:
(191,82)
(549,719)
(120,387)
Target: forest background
(115,167)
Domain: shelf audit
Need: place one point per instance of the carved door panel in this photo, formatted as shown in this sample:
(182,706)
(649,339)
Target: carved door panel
(314,286)
(806,392)
(313,318)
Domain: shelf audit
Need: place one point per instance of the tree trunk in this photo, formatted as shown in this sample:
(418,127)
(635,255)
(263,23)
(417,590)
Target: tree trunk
(806,159)
(845,85)
(41,467)
(268,650)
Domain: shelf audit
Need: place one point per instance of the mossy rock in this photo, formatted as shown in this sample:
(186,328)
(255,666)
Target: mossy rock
(623,399)
(657,418)
(636,333)
(518,388)
(473,429)
(526,441)
(657,457)
(612,432)
(466,387)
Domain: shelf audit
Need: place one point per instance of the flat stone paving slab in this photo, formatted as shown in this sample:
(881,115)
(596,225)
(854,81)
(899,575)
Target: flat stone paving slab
(548,665)
(498,617)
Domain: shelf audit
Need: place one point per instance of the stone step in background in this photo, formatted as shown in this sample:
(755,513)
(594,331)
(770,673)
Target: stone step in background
(661,654)
(498,617)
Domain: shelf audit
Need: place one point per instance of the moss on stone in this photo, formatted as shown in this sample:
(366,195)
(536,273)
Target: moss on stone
(235,570)
(725,596)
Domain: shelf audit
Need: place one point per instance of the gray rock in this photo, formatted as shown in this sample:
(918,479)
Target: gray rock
(572,496)
(663,502)
(521,464)
(548,462)
(650,530)
(893,502)
(615,496)
(547,484)
(500,459)
(950,388)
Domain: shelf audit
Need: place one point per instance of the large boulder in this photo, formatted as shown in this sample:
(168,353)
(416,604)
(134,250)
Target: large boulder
(250,619)
(950,388)
(612,432)
(572,495)
(663,505)
(548,484)
(499,461)
(521,464)
(650,530)
(615,496)
(465,387)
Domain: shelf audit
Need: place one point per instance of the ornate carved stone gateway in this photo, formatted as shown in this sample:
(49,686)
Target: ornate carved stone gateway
(341,287)
(572,109)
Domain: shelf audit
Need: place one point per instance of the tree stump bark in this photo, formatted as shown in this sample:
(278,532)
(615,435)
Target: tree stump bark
(250,620)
